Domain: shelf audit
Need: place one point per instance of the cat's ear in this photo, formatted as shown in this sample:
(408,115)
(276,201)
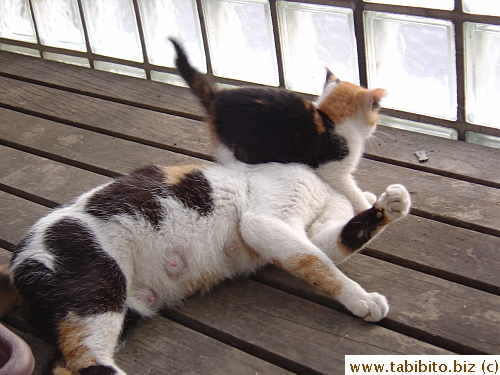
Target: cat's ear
(374,97)
(330,77)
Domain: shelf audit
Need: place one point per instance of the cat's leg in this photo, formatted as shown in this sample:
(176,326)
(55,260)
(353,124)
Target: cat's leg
(340,239)
(288,246)
(86,344)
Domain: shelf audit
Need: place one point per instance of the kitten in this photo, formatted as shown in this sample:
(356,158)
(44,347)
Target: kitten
(151,238)
(261,124)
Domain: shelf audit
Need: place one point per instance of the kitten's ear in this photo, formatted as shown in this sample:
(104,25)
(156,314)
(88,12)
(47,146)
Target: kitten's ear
(374,97)
(330,77)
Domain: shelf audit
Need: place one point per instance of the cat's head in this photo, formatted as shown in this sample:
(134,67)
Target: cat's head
(347,103)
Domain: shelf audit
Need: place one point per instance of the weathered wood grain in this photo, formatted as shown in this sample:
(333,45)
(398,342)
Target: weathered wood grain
(460,160)
(442,198)
(43,180)
(79,147)
(17,215)
(119,88)
(158,129)
(447,314)
(298,334)
(447,157)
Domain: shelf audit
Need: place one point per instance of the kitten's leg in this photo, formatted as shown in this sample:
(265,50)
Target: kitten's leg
(87,344)
(288,247)
(341,239)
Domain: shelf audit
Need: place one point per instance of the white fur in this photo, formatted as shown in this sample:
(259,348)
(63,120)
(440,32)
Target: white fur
(279,210)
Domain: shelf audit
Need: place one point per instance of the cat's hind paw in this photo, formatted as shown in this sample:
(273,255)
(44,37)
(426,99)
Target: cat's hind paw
(372,308)
(395,202)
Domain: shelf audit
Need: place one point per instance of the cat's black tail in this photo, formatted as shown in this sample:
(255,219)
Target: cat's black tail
(196,81)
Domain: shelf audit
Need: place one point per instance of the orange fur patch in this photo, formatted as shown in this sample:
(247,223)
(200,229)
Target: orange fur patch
(347,101)
(318,121)
(315,271)
(203,283)
(72,332)
(174,174)
(10,296)
(343,102)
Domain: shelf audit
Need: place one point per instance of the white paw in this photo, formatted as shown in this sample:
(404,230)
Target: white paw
(395,202)
(370,197)
(371,307)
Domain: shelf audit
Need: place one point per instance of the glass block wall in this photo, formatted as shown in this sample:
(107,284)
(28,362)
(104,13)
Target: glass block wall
(439,59)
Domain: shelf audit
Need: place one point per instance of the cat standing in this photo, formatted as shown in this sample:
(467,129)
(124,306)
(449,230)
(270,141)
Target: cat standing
(262,124)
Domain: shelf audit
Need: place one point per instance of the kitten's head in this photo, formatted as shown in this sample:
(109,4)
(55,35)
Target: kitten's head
(346,102)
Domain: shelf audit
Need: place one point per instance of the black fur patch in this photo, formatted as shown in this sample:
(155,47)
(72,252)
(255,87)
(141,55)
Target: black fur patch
(362,228)
(139,193)
(86,279)
(97,370)
(195,192)
(263,125)
(132,194)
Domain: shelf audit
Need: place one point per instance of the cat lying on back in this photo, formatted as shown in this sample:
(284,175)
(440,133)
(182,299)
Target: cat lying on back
(262,124)
(153,237)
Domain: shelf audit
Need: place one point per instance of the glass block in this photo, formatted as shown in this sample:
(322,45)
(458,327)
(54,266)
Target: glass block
(21,50)
(241,40)
(120,69)
(171,79)
(112,28)
(419,127)
(434,4)
(486,7)
(414,59)
(16,22)
(314,37)
(73,60)
(482,139)
(59,24)
(482,74)
(171,18)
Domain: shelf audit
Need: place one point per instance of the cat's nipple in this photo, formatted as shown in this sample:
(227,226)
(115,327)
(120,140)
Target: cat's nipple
(231,249)
(175,265)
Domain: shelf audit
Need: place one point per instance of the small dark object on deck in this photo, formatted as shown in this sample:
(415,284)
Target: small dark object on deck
(422,156)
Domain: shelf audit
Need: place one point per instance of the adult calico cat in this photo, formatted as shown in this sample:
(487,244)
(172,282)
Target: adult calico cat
(153,237)
(262,124)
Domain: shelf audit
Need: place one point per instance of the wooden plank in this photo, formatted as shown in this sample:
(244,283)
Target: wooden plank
(43,180)
(129,90)
(157,129)
(82,148)
(441,198)
(461,160)
(437,196)
(301,336)
(411,242)
(446,314)
(457,254)
(160,346)
(18,215)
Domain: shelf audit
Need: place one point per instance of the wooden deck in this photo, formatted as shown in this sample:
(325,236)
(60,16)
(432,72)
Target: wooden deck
(65,129)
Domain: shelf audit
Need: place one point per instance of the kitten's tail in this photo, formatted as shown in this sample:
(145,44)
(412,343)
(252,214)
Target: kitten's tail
(200,86)
(9,295)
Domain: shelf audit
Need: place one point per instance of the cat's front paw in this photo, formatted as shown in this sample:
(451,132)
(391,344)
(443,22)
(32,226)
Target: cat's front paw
(395,202)
(370,197)
(371,307)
